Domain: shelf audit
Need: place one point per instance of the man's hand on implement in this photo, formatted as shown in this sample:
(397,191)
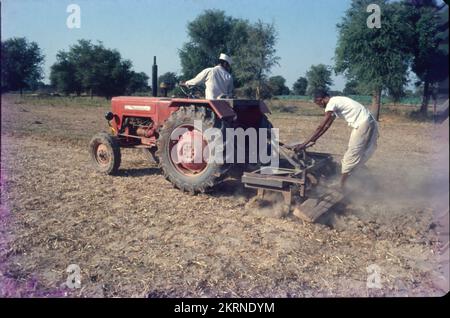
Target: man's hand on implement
(300,147)
(297,147)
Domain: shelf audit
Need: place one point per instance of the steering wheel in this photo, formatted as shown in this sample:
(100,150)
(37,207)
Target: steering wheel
(187,90)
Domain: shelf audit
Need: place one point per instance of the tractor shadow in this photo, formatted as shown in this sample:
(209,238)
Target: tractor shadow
(139,172)
(232,187)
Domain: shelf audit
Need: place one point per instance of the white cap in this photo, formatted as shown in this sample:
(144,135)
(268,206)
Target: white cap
(225,57)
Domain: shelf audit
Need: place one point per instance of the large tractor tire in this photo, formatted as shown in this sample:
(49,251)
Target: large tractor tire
(104,151)
(179,144)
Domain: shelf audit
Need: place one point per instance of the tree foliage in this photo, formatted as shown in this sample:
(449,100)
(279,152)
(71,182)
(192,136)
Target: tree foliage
(278,86)
(252,47)
(351,87)
(300,86)
(430,57)
(170,78)
(138,82)
(92,68)
(21,62)
(209,35)
(255,59)
(62,75)
(319,79)
(375,57)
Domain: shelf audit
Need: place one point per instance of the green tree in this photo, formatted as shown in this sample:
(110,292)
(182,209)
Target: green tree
(95,69)
(21,62)
(319,79)
(376,57)
(62,75)
(277,85)
(210,34)
(351,87)
(170,78)
(256,58)
(430,58)
(299,87)
(138,82)
(252,47)
(102,71)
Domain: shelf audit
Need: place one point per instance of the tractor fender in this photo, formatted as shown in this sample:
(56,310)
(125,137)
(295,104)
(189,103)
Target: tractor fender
(263,108)
(220,107)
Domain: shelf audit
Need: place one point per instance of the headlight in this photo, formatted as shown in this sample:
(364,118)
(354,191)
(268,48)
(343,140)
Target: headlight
(109,116)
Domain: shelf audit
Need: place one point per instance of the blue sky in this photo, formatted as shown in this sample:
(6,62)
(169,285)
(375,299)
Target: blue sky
(140,29)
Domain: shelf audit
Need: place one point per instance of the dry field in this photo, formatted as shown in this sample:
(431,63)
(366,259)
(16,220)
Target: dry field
(134,235)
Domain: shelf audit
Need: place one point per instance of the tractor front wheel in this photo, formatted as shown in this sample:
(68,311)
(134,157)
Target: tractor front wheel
(105,153)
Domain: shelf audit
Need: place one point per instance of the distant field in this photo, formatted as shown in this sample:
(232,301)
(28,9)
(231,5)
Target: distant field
(363,99)
(34,99)
(307,108)
(299,106)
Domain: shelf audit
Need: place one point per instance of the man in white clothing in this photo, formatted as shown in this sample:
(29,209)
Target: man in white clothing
(363,139)
(217,79)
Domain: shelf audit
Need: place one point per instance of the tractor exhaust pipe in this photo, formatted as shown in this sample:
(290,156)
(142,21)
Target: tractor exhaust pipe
(154,78)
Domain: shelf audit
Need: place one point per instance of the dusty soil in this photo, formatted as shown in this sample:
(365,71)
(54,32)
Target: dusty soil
(134,235)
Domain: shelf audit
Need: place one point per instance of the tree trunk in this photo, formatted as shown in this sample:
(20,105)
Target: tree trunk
(21,91)
(425,98)
(376,103)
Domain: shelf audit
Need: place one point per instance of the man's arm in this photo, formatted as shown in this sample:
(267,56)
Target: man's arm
(328,120)
(321,129)
(200,78)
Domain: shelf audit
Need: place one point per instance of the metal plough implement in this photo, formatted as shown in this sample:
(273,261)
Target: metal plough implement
(297,178)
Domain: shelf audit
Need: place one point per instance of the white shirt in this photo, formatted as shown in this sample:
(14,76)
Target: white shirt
(217,80)
(351,111)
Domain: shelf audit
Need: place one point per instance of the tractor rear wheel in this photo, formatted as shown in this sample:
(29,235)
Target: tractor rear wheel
(186,155)
(104,151)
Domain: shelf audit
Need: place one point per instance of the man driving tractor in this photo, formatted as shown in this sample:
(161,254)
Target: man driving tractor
(363,139)
(217,79)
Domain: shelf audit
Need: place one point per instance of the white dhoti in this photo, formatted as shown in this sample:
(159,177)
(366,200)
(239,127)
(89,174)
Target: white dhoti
(361,146)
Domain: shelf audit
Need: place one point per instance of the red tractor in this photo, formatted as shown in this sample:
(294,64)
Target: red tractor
(150,123)
(168,130)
